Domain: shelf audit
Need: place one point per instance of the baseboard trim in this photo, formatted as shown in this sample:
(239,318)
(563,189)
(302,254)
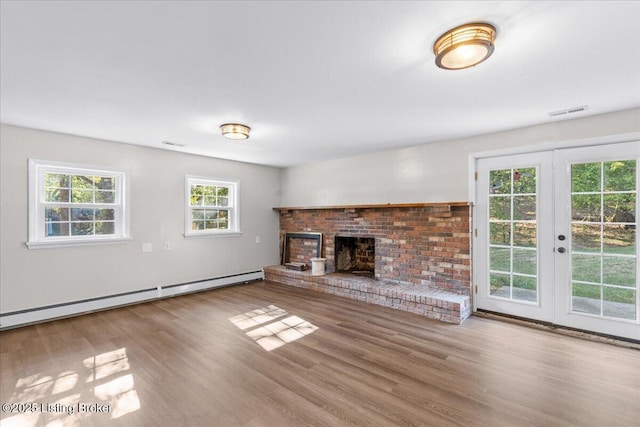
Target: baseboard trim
(51,312)
(559,329)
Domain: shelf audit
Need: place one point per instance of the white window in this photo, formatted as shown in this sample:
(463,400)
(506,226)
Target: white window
(211,206)
(75,205)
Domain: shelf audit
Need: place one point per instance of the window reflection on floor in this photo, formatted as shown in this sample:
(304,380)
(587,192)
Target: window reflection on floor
(119,390)
(102,385)
(272,327)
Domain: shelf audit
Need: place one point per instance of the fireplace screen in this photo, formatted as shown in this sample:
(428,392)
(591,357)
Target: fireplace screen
(301,247)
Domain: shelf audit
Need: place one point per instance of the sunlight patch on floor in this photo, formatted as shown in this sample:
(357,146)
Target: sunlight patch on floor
(258,316)
(106,364)
(101,385)
(263,326)
(65,382)
(119,392)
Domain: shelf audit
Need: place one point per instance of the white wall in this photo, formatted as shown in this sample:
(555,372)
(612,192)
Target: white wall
(31,278)
(34,278)
(436,172)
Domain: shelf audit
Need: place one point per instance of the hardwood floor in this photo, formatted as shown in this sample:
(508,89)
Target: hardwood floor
(213,358)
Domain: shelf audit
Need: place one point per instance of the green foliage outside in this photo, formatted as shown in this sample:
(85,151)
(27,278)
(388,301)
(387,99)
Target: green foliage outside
(605,177)
(597,240)
(209,207)
(209,195)
(79,189)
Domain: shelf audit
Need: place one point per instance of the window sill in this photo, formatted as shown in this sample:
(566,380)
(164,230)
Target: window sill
(212,234)
(42,244)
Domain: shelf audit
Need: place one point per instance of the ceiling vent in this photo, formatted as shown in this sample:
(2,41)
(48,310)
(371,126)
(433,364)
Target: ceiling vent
(569,111)
(173,144)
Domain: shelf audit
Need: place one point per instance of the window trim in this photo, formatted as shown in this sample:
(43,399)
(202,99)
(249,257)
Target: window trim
(37,239)
(234,212)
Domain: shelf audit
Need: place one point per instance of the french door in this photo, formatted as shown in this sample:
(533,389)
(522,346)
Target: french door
(557,237)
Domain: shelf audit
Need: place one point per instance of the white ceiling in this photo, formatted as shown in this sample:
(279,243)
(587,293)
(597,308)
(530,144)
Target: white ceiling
(314,80)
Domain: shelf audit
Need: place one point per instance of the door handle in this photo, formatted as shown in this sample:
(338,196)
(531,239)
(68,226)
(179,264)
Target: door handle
(561,250)
(561,237)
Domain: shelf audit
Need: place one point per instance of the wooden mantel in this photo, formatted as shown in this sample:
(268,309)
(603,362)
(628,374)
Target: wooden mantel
(375,206)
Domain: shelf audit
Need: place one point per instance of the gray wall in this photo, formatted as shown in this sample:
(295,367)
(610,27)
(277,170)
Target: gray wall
(31,278)
(436,172)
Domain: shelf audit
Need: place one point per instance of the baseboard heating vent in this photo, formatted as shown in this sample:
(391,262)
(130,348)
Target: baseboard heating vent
(74,308)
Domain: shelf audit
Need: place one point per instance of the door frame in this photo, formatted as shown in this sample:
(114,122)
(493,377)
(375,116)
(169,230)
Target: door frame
(526,149)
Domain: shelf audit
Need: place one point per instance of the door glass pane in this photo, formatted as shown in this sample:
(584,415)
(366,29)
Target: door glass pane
(586,207)
(524,288)
(500,233)
(524,208)
(619,207)
(525,261)
(500,285)
(619,271)
(619,239)
(500,259)
(500,208)
(619,302)
(524,181)
(500,181)
(586,237)
(620,175)
(513,234)
(603,236)
(585,178)
(524,234)
(586,268)
(586,298)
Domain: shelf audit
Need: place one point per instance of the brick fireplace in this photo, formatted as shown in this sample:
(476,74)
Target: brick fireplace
(423,247)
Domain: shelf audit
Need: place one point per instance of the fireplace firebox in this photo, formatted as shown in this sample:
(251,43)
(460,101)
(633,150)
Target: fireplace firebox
(355,255)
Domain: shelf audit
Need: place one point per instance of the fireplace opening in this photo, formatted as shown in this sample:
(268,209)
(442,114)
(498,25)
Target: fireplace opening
(355,255)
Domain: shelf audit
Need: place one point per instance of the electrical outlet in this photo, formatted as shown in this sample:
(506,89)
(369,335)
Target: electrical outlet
(257,239)
(147,247)
(167,245)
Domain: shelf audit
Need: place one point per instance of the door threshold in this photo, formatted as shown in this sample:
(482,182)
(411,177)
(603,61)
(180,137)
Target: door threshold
(563,330)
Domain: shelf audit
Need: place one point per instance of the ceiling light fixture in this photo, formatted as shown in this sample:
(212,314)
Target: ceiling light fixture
(464,46)
(235,130)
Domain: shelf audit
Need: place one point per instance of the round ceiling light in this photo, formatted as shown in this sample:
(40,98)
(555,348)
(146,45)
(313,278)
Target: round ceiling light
(235,130)
(464,46)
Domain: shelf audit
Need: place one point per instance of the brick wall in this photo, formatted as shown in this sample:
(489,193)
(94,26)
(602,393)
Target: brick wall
(425,245)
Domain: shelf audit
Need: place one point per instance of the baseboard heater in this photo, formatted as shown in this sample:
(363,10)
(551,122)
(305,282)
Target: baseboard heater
(51,312)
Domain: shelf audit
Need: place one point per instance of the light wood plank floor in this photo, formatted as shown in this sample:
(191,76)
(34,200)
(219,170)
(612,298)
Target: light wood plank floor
(215,359)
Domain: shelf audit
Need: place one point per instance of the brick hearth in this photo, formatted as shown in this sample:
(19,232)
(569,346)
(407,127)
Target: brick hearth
(424,248)
(445,306)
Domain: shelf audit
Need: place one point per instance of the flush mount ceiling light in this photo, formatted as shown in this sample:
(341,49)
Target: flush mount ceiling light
(235,131)
(464,46)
